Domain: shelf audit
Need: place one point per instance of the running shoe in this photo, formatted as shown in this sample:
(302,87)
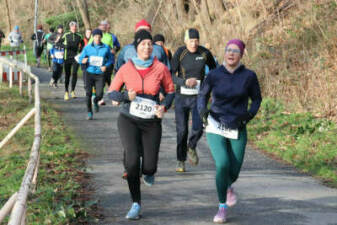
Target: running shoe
(148,180)
(101,102)
(180,167)
(73,94)
(51,82)
(66,96)
(220,217)
(125,175)
(193,156)
(231,197)
(134,212)
(55,85)
(90,117)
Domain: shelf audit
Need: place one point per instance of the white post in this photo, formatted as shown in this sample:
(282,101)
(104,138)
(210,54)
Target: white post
(25,55)
(10,75)
(30,89)
(20,74)
(1,72)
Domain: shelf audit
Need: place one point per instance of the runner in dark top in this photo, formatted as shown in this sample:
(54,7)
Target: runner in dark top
(188,71)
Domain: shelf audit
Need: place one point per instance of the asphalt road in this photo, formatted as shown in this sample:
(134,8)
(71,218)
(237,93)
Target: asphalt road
(269,192)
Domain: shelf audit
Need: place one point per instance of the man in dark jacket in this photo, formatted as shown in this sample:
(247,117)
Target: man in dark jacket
(73,42)
(38,38)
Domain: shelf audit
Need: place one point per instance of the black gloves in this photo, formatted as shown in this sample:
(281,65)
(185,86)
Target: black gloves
(203,115)
(243,119)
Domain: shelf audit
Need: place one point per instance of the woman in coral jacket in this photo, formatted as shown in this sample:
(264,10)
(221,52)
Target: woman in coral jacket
(141,113)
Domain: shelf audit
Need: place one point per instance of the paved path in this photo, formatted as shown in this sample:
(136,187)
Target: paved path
(269,193)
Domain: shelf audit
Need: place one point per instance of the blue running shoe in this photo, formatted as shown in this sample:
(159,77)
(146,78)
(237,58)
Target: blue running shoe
(134,212)
(89,116)
(148,180)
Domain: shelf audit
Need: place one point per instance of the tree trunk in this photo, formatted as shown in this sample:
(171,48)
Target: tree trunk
(8,17)
(216,8)
(205,13)
(182,16)
(83,7)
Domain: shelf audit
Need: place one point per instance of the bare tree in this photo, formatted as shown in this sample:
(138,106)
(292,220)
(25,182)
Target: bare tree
(8,16)
(180,6)
(83,7)
(216,8)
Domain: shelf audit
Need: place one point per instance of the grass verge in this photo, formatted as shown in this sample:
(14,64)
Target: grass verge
(62,196)
(307,142)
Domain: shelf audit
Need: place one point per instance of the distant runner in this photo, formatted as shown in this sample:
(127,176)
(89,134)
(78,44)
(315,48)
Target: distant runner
(38,39)
(188,71)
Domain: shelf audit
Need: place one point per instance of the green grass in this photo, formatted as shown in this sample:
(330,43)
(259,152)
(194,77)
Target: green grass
(61,197)
(307,142)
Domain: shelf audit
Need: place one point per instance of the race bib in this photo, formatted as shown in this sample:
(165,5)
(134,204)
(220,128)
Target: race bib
(96,61)
(59,55)
(190,91)
(217,128)
(143,108)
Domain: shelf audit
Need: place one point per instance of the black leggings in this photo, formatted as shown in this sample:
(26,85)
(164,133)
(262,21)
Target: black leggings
(132,132)
(97,81)
(67,70)
(108,74)
(57,71)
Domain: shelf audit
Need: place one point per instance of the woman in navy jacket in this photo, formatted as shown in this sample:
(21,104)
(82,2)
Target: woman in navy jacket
(231,85)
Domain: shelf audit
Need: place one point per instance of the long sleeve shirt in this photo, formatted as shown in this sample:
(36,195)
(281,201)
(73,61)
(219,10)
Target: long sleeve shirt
(230,95)
(187,65)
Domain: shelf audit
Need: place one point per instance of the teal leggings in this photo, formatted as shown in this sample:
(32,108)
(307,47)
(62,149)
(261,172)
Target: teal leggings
(228,155)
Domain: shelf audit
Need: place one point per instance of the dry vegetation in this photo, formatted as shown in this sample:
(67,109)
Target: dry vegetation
(291,44)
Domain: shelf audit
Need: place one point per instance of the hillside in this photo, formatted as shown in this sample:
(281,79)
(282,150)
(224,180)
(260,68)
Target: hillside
(291,44)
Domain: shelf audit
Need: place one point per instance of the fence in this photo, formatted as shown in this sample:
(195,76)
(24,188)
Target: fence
(16,205)
(11,74)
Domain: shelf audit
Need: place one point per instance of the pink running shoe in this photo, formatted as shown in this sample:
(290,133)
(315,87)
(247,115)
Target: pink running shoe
(220,217)
(231,197)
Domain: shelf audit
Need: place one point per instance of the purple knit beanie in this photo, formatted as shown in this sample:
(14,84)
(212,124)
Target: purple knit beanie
(238,43)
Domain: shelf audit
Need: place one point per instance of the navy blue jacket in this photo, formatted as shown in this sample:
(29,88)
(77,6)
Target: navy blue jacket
(230,94)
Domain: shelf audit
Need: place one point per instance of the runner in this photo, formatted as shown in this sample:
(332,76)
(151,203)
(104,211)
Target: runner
(15,38)
(38,38)
(231,85)
(57,54)
(129,50)
(189,62)
(116,44)
(159,39)
(108,40)
(72,41)
(98,57)
(49,46)
(2,36)
(54,39)
(86,40)
(140,117)
(209,47)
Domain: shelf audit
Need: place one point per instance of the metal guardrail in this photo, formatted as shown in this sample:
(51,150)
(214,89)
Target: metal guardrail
(16,205)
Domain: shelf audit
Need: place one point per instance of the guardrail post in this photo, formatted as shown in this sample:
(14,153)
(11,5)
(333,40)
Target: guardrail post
(1,72)
(10,75)
(25,55)
(20,74)
(30,89)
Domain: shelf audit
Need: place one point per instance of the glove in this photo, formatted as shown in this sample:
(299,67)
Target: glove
(203,115)
(243,119)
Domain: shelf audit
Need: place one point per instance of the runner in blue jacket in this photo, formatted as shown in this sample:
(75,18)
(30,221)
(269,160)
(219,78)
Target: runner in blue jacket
(98,57)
